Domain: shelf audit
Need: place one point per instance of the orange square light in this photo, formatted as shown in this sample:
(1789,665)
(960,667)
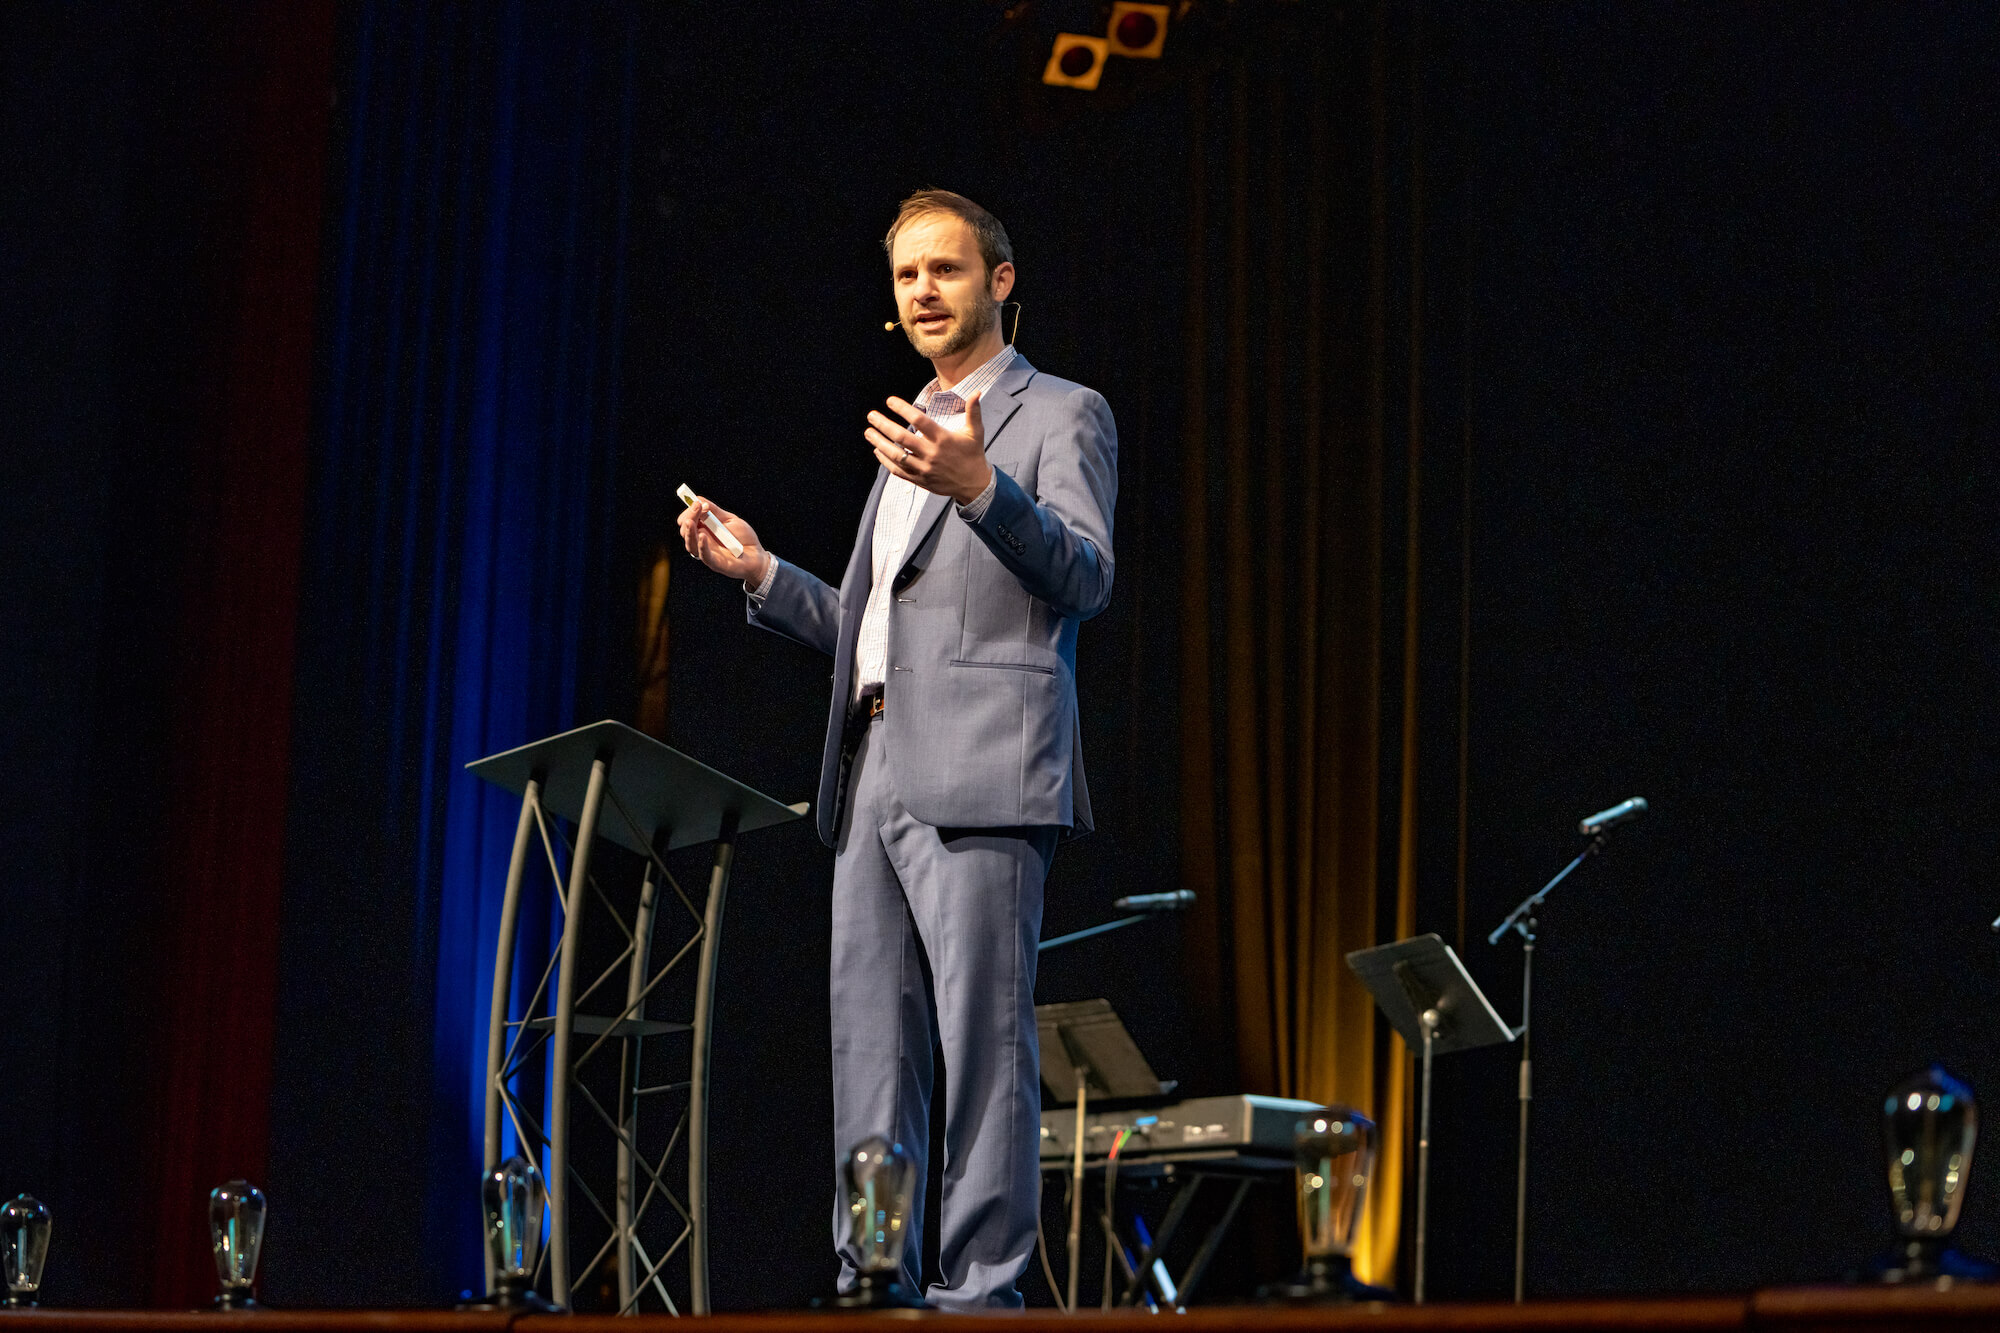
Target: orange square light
(1137,30)
(1076,62)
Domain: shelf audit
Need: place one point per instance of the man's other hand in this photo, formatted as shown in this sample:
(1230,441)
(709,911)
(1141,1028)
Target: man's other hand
(943,462)
(702,545)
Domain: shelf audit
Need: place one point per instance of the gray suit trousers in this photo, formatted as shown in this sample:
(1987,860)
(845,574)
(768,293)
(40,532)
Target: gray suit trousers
(968,903)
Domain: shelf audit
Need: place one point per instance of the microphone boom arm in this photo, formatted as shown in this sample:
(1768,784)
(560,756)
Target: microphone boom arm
(1518,918)
(1089,931)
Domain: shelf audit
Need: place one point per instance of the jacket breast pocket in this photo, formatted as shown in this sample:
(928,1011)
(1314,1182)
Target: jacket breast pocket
(1033,667)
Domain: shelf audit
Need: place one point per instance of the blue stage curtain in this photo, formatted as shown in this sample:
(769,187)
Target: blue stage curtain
(456,579)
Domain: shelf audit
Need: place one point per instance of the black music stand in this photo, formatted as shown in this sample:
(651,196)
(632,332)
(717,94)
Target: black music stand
(1426,994)
(1084,1046)
(1087,1052)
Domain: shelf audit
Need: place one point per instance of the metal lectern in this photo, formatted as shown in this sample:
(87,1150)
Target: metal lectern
(625,787)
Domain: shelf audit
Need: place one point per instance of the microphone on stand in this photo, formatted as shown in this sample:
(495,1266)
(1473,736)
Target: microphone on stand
(1612,818)
(1138,907)
(1177,901)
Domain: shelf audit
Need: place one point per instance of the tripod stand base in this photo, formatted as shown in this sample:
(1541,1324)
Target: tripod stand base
(1324,1281)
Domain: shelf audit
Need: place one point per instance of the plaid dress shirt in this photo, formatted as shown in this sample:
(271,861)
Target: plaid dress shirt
(896,516)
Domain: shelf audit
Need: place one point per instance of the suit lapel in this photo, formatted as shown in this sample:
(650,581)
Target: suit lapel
(860,579)
(1008,389)
(917,554)
(1005,391)
(861,564)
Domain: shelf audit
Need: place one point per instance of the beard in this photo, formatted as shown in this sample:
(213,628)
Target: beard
(968,327)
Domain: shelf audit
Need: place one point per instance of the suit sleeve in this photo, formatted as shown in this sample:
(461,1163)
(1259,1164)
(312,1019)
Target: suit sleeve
(800,606)
(1058,544)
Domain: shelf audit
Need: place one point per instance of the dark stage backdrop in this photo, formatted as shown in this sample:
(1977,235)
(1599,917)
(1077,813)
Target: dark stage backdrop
(1730,297)
(1686,319)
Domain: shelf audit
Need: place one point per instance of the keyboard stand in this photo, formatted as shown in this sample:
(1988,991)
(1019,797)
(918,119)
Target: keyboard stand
(1191,1170)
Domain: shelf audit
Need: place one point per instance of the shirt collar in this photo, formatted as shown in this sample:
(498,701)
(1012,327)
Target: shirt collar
(979,381)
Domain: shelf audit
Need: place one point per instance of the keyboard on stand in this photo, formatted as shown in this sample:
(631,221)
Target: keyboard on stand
(1245,1126)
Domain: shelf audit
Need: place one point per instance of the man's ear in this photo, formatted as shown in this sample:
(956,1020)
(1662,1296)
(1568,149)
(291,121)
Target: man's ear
(1002,283)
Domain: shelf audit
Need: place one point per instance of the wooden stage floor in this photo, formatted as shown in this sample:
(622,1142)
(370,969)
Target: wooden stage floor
(1779,1310)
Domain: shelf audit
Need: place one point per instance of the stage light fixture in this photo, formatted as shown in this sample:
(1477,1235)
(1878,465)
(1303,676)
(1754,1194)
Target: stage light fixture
(1076,62)
(1137,30)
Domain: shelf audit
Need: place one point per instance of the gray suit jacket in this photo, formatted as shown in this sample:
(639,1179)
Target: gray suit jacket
(981,716)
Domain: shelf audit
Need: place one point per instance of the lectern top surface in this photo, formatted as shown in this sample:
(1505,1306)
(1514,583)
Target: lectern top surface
(661,788)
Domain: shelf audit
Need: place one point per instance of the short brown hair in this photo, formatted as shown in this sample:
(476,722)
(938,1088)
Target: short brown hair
(994,247)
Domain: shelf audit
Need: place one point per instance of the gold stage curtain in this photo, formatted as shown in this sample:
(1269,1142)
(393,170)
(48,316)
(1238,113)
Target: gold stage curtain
(1304,556)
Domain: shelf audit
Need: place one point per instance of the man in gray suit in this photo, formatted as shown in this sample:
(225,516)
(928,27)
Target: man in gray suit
(952,762)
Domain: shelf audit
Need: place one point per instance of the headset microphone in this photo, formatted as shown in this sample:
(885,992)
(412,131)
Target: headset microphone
(890,325)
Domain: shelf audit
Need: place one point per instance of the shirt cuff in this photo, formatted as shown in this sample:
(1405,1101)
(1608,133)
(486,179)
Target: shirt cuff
(975,510)
(763,588)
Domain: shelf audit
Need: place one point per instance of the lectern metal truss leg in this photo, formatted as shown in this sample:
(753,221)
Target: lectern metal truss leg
(704,1004)
(694,913)
(625,1141)
(547,1030)
(652,1274)
(659,1184)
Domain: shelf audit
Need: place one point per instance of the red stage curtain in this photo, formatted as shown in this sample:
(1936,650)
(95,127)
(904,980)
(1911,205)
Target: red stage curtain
(233,697)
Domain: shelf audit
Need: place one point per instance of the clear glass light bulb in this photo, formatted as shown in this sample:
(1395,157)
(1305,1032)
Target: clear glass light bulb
(1929,1125)
(236,1232)
(24,1247)
(880,1177)
(1335,1156)
(513,1198)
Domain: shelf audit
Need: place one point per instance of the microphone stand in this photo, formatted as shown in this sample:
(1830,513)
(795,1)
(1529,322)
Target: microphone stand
(1117,923)
(1142,908)
(1522,921)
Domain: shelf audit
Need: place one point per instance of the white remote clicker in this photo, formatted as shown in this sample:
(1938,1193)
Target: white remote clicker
(711,522)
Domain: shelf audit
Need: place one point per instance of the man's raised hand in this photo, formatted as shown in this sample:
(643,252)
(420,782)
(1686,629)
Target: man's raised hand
(944,462)
(702,545)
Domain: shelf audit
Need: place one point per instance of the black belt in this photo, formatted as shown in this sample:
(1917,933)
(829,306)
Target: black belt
(863,711)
